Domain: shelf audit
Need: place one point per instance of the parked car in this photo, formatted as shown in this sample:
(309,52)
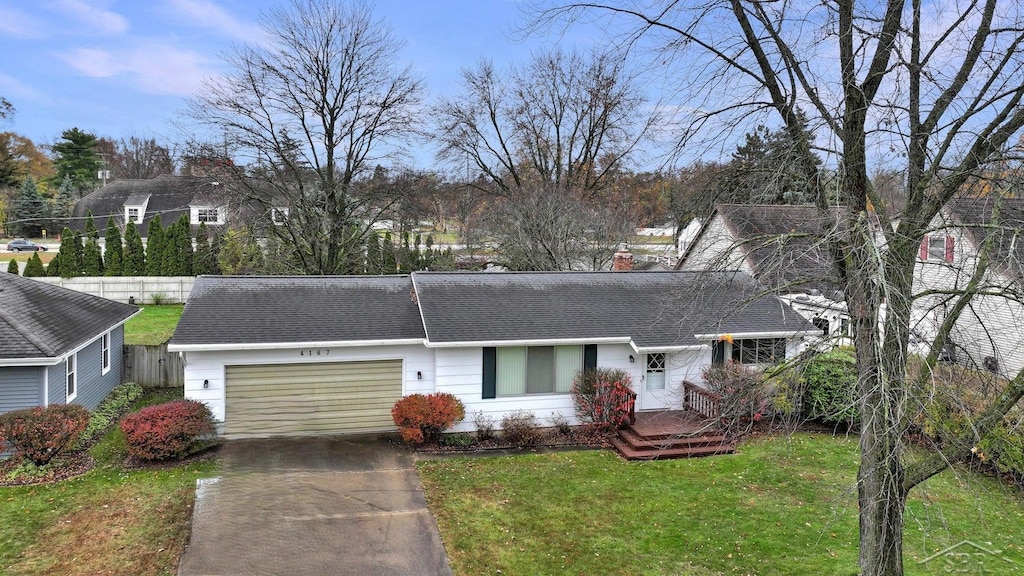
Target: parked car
(21,244)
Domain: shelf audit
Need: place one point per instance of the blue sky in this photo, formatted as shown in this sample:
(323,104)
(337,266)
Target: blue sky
(124,67)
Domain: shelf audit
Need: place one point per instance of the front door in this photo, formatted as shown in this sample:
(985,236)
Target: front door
(654,394)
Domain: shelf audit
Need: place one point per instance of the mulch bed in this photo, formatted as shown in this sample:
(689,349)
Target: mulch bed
(579,437)
(63,467)
(208,453)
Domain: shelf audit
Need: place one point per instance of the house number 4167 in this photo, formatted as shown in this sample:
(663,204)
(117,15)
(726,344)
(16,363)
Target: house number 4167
(314,352)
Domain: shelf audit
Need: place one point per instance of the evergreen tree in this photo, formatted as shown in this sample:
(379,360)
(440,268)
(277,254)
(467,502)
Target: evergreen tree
(390,264)
(240,254)
(53,268)
(374,264)
(34,268)
(67,259)
(113,257)
(134,259)
(155,247)
(92,258)
(76,157)
(63,203)
(79,245)
(91,233)
(12,267)
(177,253)
(204,261)
(29,211)
(216,244)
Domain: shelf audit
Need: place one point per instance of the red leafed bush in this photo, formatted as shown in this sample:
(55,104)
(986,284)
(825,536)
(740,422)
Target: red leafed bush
(39,433)
(166,431)
(422,418)
(603,397)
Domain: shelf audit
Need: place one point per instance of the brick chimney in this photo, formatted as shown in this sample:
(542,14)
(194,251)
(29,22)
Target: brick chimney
(623,260)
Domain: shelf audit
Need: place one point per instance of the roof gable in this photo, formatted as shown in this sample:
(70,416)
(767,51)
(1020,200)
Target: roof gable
(39,320)
(1002,221)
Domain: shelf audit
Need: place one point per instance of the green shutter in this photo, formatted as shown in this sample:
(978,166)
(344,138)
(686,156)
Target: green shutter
(490,372)
(590,356)
(718,353)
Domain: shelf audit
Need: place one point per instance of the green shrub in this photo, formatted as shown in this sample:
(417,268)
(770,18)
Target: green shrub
(422,418)
(167,431)
(41,433)
(830,388)
(603,397)
(460,439)
(520,428)
(115,405)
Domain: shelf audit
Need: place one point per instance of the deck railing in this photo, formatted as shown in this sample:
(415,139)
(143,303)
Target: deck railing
(702,401)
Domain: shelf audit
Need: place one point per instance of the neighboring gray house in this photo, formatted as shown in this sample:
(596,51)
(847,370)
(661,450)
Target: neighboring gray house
(57,346)
(204,199)
(308,355)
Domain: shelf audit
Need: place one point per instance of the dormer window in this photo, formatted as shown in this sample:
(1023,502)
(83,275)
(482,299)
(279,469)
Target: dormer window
(207,215)
(278,215)
(937,248)
(133,215)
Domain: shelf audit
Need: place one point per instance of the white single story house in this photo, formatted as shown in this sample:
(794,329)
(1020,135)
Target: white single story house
(325,355)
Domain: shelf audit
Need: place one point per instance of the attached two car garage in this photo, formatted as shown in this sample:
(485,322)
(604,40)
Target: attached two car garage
(311,398)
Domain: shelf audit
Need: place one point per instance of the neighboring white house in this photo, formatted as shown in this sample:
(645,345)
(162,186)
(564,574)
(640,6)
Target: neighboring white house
(782,247)
(308,355)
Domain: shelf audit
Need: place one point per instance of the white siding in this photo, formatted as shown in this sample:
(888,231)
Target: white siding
(716,249)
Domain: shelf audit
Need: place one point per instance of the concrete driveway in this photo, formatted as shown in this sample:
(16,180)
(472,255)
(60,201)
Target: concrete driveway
(313,506)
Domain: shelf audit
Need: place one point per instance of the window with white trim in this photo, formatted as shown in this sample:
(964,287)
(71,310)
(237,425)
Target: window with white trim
(523,370)
(70,380)
(133,215)
(208,215)
(937,247)
(758,350)
(105,353)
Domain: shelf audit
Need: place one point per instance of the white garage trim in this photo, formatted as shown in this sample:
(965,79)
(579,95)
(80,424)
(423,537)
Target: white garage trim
(311,398)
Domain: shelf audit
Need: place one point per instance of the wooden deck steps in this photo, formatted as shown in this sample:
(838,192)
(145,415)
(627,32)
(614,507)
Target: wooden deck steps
(670,434)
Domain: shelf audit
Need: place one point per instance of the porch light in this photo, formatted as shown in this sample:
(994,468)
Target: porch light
(419,375)
(631,359)
(206,383)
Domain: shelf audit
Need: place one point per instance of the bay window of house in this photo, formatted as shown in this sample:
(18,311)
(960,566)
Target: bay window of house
(71,383)
(525,370)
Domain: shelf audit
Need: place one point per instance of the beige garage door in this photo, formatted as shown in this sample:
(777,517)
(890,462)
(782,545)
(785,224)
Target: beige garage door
(283,399)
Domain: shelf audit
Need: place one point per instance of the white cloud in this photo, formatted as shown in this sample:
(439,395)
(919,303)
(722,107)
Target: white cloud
(207,14)
(15,89)
(98,20)
(18,24)
(152,68)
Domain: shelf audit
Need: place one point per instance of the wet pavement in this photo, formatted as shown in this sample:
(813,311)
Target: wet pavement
(313,506)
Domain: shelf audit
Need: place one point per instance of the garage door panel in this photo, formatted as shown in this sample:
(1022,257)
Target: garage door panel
(317,398)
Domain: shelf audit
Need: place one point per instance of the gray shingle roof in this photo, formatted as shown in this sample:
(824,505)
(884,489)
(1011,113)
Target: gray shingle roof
(279,309)
(978,216)
(785,244)
(40,320)
(169,196)
(654,309)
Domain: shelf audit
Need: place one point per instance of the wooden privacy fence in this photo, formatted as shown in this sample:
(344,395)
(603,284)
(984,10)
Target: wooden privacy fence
(153,366)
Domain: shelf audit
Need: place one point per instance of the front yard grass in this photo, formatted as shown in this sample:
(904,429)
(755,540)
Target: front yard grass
(781,505)
(111,520)
(154,325)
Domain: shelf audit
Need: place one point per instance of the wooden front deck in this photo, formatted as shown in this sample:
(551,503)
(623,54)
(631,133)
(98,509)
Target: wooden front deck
(667,434)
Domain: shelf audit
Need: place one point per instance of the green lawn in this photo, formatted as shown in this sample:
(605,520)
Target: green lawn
(782,505)
(154,325)
(109,521)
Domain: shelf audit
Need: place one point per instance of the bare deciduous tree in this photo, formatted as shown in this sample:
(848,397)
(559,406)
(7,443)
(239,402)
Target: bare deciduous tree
(312,108)
(564,124)
(135,157)
(936,94)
